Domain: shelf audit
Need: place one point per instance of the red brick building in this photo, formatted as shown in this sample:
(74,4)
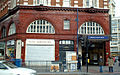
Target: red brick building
(23,16)
(45,33)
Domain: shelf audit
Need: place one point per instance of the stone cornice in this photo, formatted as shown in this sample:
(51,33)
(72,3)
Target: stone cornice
(46,8)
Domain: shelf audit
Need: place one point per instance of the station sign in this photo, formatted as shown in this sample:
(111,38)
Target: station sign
(99,37)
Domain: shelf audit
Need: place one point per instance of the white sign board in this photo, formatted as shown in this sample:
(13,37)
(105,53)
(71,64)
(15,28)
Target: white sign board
(69,55)
(40,41)
(18,49)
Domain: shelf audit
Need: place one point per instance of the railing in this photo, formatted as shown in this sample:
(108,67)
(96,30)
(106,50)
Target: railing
(49,66)
(39,66)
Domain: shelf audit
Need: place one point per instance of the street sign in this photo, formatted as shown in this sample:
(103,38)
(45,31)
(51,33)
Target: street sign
(99,37)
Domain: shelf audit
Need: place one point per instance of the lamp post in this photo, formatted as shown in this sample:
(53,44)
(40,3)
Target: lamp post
(87,46)
(78,58)
(77,31)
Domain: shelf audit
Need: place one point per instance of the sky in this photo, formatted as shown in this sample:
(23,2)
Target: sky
(117,9)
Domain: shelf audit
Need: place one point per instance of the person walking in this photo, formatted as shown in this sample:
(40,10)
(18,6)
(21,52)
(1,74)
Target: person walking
(101,63)
(110,63)
(119,60)
(79,62)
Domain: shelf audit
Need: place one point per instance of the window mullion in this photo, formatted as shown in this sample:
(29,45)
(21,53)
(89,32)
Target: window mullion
(95,28)
(36,27)
(48,28)
(86,27)
(45,25)
(39,26)
(42,26)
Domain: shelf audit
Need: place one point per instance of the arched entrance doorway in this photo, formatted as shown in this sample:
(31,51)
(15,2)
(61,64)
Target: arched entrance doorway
(95,46)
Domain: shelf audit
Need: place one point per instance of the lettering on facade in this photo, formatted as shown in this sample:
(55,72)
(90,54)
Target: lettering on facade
(41,42)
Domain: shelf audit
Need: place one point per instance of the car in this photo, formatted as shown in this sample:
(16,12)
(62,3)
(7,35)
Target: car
(7,68)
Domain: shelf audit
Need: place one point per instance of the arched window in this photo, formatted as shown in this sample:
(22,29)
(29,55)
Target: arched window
(91,28)
(3,32)
(12,29)
(40,26)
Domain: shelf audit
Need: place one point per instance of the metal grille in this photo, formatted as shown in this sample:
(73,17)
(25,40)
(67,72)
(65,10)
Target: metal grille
(91,28)
(40,26)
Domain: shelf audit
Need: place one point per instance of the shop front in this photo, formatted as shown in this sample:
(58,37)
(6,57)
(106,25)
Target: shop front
(10,51)
(2,49)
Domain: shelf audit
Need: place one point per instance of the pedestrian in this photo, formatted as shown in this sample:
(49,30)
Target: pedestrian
(101,63)
(79,62)
(119,60)
(114,60)
(110,63)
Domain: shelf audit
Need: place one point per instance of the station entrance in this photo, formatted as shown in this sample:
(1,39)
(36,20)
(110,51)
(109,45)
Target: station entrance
(95,50)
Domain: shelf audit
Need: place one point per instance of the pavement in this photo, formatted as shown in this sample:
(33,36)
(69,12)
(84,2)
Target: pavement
(92,70)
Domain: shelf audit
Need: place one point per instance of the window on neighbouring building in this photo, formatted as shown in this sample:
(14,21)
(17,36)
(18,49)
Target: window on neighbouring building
(91,3)
(94,3)
(12,4)
(91,28)
(25,3)
(87,2)
(12,29)
(57,0)
(66,24)
(40,26)
(106,7)
(66,3)
(3,32)
(44,2)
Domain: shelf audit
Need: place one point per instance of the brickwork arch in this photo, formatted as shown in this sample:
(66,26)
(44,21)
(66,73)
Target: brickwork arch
(9,25)
(103,21)
(30,20)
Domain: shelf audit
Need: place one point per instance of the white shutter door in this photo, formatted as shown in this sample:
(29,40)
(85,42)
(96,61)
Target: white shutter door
(40,53)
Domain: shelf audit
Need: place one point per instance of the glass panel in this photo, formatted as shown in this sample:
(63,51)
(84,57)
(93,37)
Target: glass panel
(31,28)
(88,24)
(49,29)
(43,29)
(52,30)
(34,28)
(12,29)
(46,29)
(43,22)
(88,30)
(40,21)
(3,32)
(40,29)
(87,3)
(66,24)
(37,28)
